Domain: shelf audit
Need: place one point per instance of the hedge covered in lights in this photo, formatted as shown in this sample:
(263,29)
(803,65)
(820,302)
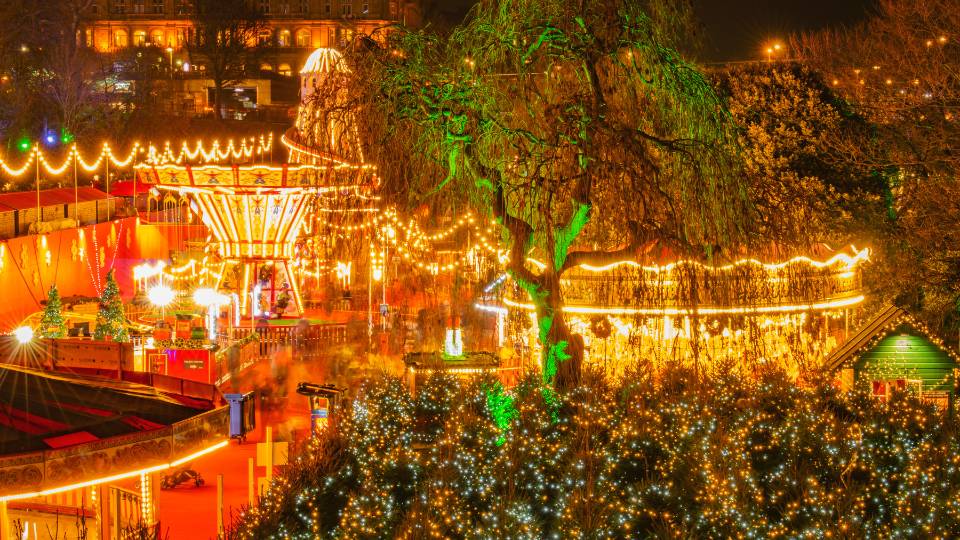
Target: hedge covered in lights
(685,456)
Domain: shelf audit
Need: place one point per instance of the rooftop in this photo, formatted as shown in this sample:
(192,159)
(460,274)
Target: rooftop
(43,410)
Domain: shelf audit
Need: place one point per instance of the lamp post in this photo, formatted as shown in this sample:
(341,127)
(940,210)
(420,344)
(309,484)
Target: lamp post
(212,300)
(170,52)
(161,296)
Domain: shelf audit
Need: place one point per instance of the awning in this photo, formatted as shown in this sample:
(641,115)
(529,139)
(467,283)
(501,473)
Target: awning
(124,188)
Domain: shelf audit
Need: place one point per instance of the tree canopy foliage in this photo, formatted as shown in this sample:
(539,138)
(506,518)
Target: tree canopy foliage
(803,188)
(578,127)
(898,70)
(228,41)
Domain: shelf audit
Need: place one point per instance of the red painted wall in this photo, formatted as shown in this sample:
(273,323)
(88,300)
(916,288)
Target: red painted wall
(77,260)
(191,364)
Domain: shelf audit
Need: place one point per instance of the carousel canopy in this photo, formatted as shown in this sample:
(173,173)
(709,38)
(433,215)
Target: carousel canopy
(323,60)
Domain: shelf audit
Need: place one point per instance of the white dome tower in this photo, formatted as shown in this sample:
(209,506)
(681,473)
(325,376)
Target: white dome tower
(319,65)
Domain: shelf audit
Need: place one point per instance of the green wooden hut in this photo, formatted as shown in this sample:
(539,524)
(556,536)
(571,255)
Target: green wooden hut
(893,351)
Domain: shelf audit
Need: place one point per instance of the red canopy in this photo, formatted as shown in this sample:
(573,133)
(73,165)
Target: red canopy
(124,188)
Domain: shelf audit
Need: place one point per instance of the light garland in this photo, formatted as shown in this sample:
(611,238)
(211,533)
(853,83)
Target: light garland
(36,157)
(216,153)
(115,477)
(746,310)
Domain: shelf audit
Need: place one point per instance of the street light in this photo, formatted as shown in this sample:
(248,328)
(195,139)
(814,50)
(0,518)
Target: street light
(170,52)
(773,49)
(161,296)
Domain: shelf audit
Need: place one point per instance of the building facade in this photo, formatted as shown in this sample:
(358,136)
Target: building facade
(296,27)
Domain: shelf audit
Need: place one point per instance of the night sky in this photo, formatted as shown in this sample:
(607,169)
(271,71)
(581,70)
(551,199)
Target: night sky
(734,29)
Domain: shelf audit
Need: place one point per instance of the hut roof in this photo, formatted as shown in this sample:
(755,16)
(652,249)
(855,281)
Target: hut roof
(879,326)
(25,200)
(44,410)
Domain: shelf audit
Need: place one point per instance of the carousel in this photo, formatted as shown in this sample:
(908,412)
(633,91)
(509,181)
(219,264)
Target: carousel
(256,213)
(792,311)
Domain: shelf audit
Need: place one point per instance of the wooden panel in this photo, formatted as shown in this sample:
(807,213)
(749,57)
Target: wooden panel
(906,355)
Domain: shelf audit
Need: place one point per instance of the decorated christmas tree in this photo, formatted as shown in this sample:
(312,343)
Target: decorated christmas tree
(52,324)
(111,321)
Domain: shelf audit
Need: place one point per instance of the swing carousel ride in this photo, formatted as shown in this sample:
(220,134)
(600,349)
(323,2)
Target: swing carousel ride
(255,213)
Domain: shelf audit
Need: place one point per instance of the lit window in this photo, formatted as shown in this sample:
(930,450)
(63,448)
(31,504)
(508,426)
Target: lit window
(265,37)
(303,38)
(283,38)
(139,38)
(120,39)
(156,38)
(285,70)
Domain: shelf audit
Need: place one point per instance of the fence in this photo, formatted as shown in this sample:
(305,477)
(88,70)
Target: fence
(305,339)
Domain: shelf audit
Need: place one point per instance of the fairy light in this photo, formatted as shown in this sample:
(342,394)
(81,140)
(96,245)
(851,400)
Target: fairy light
(116,477)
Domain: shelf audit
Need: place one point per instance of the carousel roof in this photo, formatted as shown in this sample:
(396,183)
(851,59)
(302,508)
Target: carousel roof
(657,282)
(324,60)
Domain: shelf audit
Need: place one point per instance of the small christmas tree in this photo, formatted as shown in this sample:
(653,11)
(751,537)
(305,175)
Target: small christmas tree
(110,319)
(52,325)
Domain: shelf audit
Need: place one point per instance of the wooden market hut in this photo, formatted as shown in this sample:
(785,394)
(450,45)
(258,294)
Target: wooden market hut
(59,208)
(893,351)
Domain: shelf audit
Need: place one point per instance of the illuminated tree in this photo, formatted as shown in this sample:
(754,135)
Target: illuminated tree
(111,321)
(669,454)
(898,70)
(52,324)
(580,129)
(802,189)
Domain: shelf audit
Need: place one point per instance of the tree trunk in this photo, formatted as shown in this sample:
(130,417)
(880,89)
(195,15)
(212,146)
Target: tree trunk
(562,356)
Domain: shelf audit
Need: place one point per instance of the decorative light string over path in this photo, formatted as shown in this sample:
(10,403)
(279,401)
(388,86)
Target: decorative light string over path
(204,153)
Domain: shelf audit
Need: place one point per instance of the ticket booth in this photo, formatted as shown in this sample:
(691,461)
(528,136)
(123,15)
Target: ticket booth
(324,400)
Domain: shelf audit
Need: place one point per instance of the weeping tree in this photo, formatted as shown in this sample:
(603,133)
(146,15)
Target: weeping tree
(579,128)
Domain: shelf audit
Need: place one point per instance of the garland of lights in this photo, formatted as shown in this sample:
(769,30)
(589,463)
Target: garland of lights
(36,157)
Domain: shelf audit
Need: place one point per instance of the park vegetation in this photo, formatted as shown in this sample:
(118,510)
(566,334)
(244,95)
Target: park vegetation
(671,454)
